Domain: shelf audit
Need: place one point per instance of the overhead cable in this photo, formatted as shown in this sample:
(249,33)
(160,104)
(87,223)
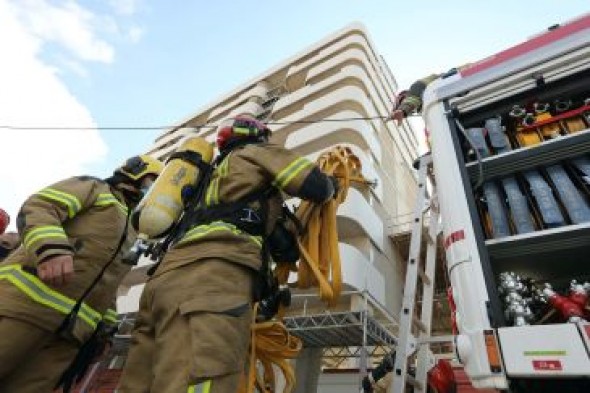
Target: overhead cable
(205,125)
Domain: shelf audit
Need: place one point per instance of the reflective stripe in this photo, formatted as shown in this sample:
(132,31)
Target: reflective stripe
(243,131)
(212,197)
(203,387)
(43,232)
(224,167)
(41,293)
(217,226)
(70,201)
(288,173)
(110,316)
(412,100)
(110,199)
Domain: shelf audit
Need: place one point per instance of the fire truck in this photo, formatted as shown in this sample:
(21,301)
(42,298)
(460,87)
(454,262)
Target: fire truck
(510,145)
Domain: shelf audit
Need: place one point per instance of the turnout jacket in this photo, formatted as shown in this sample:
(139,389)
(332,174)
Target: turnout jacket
(247,169)
(81,216)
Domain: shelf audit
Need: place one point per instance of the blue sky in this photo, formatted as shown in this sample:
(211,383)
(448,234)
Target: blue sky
(151,63)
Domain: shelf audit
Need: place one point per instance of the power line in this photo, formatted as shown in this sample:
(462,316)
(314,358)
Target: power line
(205,125)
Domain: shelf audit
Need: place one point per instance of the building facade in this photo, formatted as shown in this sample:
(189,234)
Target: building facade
(336,92)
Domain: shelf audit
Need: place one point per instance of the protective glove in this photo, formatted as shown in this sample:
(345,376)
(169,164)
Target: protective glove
(335,185)
(367,385)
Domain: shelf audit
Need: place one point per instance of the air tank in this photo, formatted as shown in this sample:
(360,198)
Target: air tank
(161,207)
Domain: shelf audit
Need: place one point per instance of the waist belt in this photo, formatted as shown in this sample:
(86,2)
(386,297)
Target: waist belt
(35,289)
(238,217)
(239,214)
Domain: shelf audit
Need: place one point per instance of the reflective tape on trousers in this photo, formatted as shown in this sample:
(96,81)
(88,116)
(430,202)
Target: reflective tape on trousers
(35,289)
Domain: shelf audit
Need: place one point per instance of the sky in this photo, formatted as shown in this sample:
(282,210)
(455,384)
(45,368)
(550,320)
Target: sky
(77,66)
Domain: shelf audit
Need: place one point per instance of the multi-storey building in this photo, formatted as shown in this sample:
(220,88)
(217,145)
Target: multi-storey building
(336,92)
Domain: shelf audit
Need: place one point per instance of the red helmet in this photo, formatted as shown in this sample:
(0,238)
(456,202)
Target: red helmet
(4,221)
(241,127)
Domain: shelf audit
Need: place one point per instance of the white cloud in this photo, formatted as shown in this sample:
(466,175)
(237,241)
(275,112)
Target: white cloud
(73,66)
(69,25)
(32,94)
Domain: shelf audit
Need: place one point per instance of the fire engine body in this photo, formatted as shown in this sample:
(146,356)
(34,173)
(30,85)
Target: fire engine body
(494,351)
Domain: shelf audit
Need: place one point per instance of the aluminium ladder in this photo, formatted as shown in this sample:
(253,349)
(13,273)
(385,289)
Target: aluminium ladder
(408,343)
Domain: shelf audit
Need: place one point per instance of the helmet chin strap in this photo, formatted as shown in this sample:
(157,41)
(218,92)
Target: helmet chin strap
(131,193)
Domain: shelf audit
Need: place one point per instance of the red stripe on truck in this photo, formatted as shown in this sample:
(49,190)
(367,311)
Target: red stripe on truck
(530,45)
(454,237)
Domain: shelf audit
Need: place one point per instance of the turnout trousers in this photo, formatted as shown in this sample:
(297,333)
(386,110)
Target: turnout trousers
(192,330)
(31,359)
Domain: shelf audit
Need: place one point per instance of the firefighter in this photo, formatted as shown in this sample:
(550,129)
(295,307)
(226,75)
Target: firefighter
(193,328)
(9,241)
(410,101)
(56,288)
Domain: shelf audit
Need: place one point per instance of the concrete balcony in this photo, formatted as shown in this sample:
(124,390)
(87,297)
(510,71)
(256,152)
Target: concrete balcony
(173,138)
(255,93)
(358,274)
(356,217)
(353,58)
(356,38)
(250,108)
(347,70)
(317,136)
(172,143)
(336,90)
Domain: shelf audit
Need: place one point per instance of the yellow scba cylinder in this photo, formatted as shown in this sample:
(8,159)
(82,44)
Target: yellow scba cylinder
(161,207)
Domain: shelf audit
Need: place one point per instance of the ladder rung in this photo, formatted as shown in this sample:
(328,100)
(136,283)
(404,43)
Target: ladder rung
(419,324)
(425,279)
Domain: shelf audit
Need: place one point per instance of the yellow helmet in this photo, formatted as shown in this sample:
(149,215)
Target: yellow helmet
(137,167)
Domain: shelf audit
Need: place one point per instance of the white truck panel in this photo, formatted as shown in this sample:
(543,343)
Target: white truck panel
(544,350)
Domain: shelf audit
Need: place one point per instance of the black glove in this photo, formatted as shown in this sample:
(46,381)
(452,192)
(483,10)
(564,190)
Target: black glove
(335,185)
(367,385)
(269,306)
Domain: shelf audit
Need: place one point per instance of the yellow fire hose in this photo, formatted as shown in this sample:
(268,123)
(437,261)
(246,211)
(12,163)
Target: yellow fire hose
(271,345)
(319,265)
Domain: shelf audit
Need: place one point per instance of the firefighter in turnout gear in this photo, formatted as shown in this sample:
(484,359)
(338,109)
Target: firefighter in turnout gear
(57,287)
(192,331)
(410,101)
